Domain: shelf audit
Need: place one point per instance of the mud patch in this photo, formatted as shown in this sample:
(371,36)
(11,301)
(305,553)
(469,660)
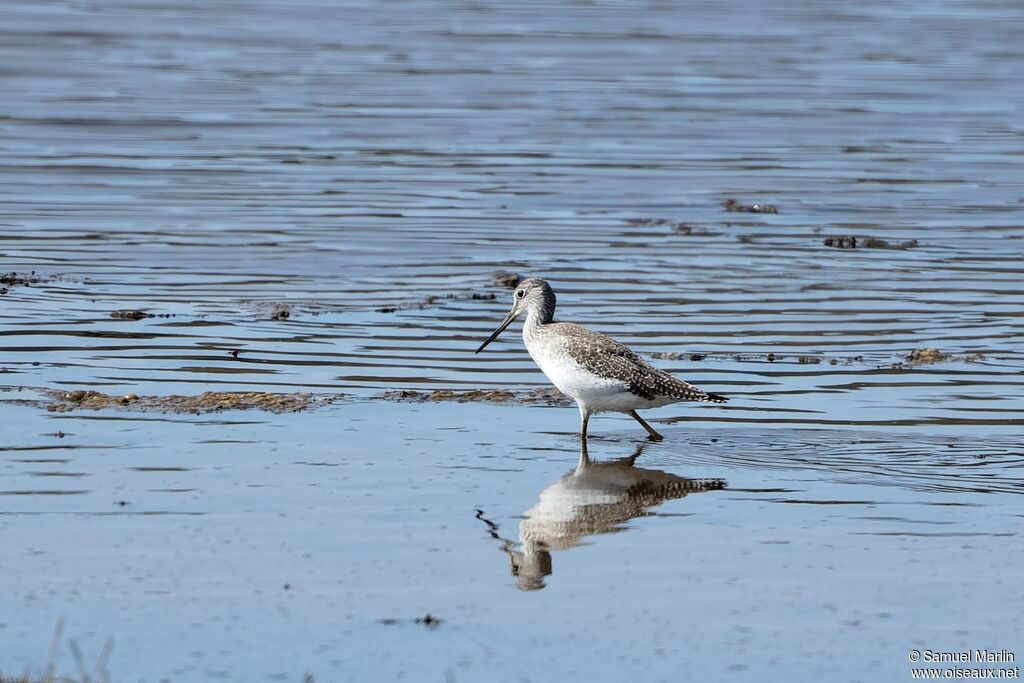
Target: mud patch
(540,395)
(207,402)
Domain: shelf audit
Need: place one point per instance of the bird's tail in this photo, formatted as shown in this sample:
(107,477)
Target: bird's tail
(677,388)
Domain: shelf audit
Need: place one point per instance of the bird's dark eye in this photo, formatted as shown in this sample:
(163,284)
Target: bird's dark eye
(521,293)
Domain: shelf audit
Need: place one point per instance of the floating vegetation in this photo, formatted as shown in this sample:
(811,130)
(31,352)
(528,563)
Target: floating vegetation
(207,402)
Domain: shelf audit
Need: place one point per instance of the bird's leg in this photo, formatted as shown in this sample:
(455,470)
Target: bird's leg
(584,461)
(584,419)
(631,460)
(655,436)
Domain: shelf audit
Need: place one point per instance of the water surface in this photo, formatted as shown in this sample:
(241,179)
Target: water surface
(368,166)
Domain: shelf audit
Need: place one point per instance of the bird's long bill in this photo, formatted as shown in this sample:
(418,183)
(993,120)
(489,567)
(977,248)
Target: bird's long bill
(501,328)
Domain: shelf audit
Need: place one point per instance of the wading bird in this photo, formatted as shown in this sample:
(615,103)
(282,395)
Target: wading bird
(596,371)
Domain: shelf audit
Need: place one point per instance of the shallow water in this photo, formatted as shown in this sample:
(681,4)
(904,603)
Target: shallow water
(369,166)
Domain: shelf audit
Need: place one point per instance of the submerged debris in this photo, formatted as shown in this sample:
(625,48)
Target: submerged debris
(137,315)
(23,279)
(918,356)
(542,395)
(840,242)
(677,227)
(130,315)
(274,310)
(207,402)
(419,305)
(428,620)
(923,356)
(863,242)
(13,279)
(676,355)
(736,207)
(770,357)
(690,231)
(647,221)
(927,355)
(505,278)
(429,301)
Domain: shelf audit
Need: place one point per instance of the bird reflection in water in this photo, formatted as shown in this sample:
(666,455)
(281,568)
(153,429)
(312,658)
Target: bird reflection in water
(595,498)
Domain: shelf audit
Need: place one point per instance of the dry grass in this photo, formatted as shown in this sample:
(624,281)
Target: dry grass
(99,673)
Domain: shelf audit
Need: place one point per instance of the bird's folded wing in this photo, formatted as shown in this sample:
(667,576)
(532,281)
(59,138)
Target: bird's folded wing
(606,357)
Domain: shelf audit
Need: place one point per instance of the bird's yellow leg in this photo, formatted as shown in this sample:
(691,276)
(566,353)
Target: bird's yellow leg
(655,436)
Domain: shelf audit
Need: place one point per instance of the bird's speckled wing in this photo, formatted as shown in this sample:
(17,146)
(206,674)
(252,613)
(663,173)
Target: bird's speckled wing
(604,356)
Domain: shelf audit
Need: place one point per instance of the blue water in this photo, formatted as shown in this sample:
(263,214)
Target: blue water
(369,165)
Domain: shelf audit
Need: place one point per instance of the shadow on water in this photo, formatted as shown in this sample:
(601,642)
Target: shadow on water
(595,498)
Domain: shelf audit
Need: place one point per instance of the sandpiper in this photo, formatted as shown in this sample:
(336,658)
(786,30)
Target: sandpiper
(596,371)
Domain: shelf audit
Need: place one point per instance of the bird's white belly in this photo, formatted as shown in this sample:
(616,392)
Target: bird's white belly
(593,393)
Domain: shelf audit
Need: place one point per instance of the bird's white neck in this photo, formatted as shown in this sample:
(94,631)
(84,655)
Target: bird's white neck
(535,319)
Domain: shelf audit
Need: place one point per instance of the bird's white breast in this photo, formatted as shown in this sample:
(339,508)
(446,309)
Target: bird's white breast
(592,392)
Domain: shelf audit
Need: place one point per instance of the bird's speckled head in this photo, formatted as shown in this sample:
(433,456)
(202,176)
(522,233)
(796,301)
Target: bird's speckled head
(532,296)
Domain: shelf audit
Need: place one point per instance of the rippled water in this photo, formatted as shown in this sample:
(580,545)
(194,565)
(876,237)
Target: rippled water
(369,165)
